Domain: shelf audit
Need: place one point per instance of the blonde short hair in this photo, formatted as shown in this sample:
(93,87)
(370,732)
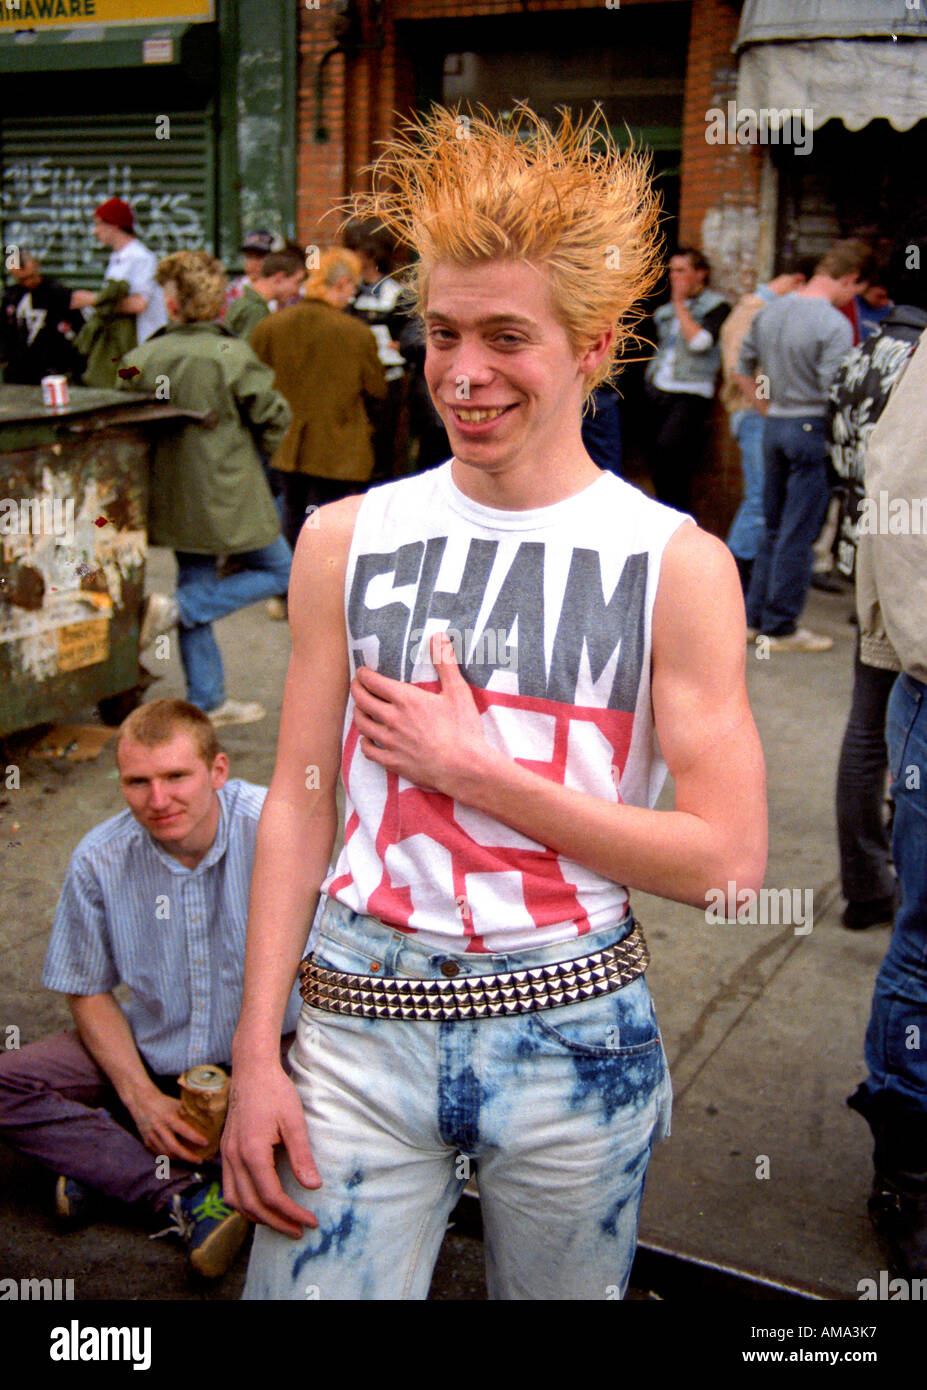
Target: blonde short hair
(199,284)
(334,264)
(469,189)
(158,721)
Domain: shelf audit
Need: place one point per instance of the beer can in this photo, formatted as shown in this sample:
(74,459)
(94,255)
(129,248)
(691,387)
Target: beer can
(55,390)
(204,1098)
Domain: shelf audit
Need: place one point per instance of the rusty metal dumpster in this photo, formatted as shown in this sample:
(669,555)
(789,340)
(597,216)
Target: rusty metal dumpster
(73,498)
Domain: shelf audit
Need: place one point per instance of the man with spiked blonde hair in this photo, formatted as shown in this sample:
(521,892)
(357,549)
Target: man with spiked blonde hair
(487,651)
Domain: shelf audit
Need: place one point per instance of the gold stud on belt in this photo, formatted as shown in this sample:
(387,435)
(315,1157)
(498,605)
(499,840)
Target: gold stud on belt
(477,996)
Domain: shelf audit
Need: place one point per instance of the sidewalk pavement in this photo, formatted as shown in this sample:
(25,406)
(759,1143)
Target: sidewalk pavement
(763,1025)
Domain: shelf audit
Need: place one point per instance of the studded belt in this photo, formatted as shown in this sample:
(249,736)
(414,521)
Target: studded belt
(477,996)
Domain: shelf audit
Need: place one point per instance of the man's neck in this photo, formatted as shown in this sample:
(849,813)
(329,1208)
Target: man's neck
(522,488)
(820,287)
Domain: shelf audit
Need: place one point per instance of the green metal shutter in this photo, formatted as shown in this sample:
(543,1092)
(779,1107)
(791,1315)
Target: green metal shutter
(57,169)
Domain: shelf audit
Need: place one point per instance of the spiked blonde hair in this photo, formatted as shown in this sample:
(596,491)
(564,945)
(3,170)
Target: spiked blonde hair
(467,189)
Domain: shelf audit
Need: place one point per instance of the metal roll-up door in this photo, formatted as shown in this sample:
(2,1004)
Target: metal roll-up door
(57,169)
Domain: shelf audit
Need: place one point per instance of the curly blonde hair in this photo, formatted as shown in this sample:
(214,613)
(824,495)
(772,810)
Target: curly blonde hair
(467,189)
(199,283)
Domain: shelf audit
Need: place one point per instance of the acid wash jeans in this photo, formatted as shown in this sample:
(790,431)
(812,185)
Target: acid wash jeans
(557,1111)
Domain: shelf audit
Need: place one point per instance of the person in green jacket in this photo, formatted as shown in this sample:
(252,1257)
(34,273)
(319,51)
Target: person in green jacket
(208,494)
(281,277)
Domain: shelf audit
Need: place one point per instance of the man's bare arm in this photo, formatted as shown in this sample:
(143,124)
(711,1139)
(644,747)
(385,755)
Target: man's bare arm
(716,834)
(104,1030)
(750,386)
(294,843)
(131,304)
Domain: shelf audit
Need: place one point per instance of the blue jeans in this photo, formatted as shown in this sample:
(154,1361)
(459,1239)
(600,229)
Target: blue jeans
(557,1111)
(896,1039)
(747,528)
(203,596)
(795,498)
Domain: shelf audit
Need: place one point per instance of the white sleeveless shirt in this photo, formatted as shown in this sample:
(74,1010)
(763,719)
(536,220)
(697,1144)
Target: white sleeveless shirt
(549,612)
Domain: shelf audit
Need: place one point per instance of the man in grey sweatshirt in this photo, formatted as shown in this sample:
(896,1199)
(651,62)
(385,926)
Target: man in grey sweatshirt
(787,361)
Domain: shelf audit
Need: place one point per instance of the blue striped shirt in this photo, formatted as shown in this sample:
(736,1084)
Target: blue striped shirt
(129,913)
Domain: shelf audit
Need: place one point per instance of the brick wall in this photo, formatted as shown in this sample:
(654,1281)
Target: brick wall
(719,211)
(363,93)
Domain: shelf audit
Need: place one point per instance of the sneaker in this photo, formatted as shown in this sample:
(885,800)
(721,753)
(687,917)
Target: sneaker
(212,1231)
(801,640)
(73,1201)
(159,615)
(237,712)
(276,608)
(875,912)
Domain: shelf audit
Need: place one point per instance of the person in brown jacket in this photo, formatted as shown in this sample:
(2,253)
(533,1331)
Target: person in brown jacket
(325,362)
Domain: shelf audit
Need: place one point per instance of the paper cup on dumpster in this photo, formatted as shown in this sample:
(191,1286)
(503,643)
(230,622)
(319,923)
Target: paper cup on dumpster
(204,1099)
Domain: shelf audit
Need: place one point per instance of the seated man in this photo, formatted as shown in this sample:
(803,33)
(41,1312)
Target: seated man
(155,898)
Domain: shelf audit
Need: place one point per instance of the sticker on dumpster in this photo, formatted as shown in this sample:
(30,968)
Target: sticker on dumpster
(83,644)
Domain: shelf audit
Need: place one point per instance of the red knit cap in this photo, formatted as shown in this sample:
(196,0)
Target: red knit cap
(116,213)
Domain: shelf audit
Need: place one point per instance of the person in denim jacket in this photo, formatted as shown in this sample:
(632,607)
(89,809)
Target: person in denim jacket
(681,377)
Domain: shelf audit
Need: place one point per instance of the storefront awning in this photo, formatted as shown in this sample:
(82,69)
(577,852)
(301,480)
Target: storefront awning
(855,63)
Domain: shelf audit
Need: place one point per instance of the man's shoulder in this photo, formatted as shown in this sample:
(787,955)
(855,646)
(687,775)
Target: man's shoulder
(325,546)
(709,301)
(748,305)
(243,801)
(349,328)
(697,570)
(249,300)
(112,836)
(134,252)
(141,254)
(812,308)
(280,326)
(213,342)
(768,313)
(179,342)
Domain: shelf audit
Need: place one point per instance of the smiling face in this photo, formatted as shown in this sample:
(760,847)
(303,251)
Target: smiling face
(504,378)
(171,792)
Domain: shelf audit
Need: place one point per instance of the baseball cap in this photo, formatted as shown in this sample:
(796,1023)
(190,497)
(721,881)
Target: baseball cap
(262,242)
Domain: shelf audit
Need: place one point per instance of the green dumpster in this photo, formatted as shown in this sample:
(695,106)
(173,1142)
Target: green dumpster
(73,498)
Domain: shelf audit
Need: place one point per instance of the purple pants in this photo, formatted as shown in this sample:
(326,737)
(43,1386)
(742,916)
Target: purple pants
(57,1106)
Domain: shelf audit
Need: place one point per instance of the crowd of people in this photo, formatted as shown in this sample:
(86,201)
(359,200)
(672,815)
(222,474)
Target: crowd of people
(479,914)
